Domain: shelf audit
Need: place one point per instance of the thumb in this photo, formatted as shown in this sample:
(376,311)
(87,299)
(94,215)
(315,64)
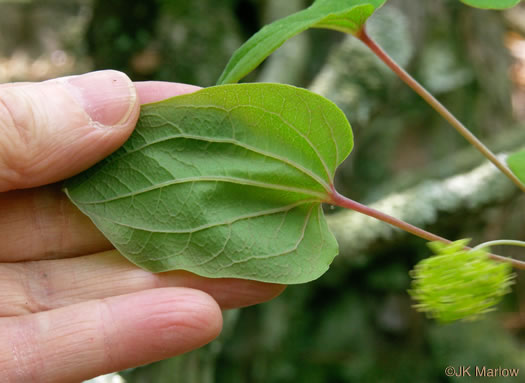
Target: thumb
(54,129)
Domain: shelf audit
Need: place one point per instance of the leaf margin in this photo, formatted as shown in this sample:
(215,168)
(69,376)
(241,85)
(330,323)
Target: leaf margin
(516,163)
(491,4)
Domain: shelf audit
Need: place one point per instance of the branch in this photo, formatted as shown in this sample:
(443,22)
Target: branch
(438,107)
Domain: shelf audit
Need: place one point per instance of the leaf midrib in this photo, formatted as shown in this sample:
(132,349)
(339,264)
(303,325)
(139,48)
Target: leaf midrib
(241,181)
(258,214)
(284,160)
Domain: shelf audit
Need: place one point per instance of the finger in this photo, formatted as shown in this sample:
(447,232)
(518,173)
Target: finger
(153,91)
(44,285)
(54,129)
(79,342)
(13,84)
(43,224)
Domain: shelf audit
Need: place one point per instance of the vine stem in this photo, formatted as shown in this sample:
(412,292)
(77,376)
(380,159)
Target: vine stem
(500,242)
(340,200)
(438,107)
(347,203)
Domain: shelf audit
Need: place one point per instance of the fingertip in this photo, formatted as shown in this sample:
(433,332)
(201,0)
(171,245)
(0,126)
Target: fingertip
(193,311)
(153,91)
(110,102)
(162,323)
(228,292)
(58,128)
(108,97)
(269,291)
(236,293)
(96,337)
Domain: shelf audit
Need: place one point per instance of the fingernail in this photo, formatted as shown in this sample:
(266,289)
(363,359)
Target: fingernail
(108,97)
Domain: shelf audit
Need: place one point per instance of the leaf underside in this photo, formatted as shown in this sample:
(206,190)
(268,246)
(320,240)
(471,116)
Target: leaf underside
(224,182)
(343,15)
(516,162)
(491,4)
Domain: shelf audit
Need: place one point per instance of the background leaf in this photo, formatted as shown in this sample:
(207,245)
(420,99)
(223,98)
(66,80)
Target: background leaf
(343,15)
(224,182)
(492,4)
(516,163)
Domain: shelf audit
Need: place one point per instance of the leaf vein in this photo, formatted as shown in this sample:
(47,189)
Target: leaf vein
(284,209)
(285,160)
(267,256)
(234,180)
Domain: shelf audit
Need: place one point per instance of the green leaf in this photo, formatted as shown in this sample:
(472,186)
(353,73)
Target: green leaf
(343,15)
(516,162)
(491,4)
(224,182)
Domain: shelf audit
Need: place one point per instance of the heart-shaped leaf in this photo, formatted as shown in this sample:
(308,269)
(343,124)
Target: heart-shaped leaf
(491,4)
(516,162)
(224,182)
(343,15)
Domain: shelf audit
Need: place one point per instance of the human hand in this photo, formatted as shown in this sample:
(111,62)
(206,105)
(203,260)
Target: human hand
(71,308)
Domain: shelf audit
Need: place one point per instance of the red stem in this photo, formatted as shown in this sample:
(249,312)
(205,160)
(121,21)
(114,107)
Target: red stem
(340,200)
(438,107)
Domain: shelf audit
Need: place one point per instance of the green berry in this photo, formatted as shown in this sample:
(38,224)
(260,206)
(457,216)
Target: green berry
(457,283)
